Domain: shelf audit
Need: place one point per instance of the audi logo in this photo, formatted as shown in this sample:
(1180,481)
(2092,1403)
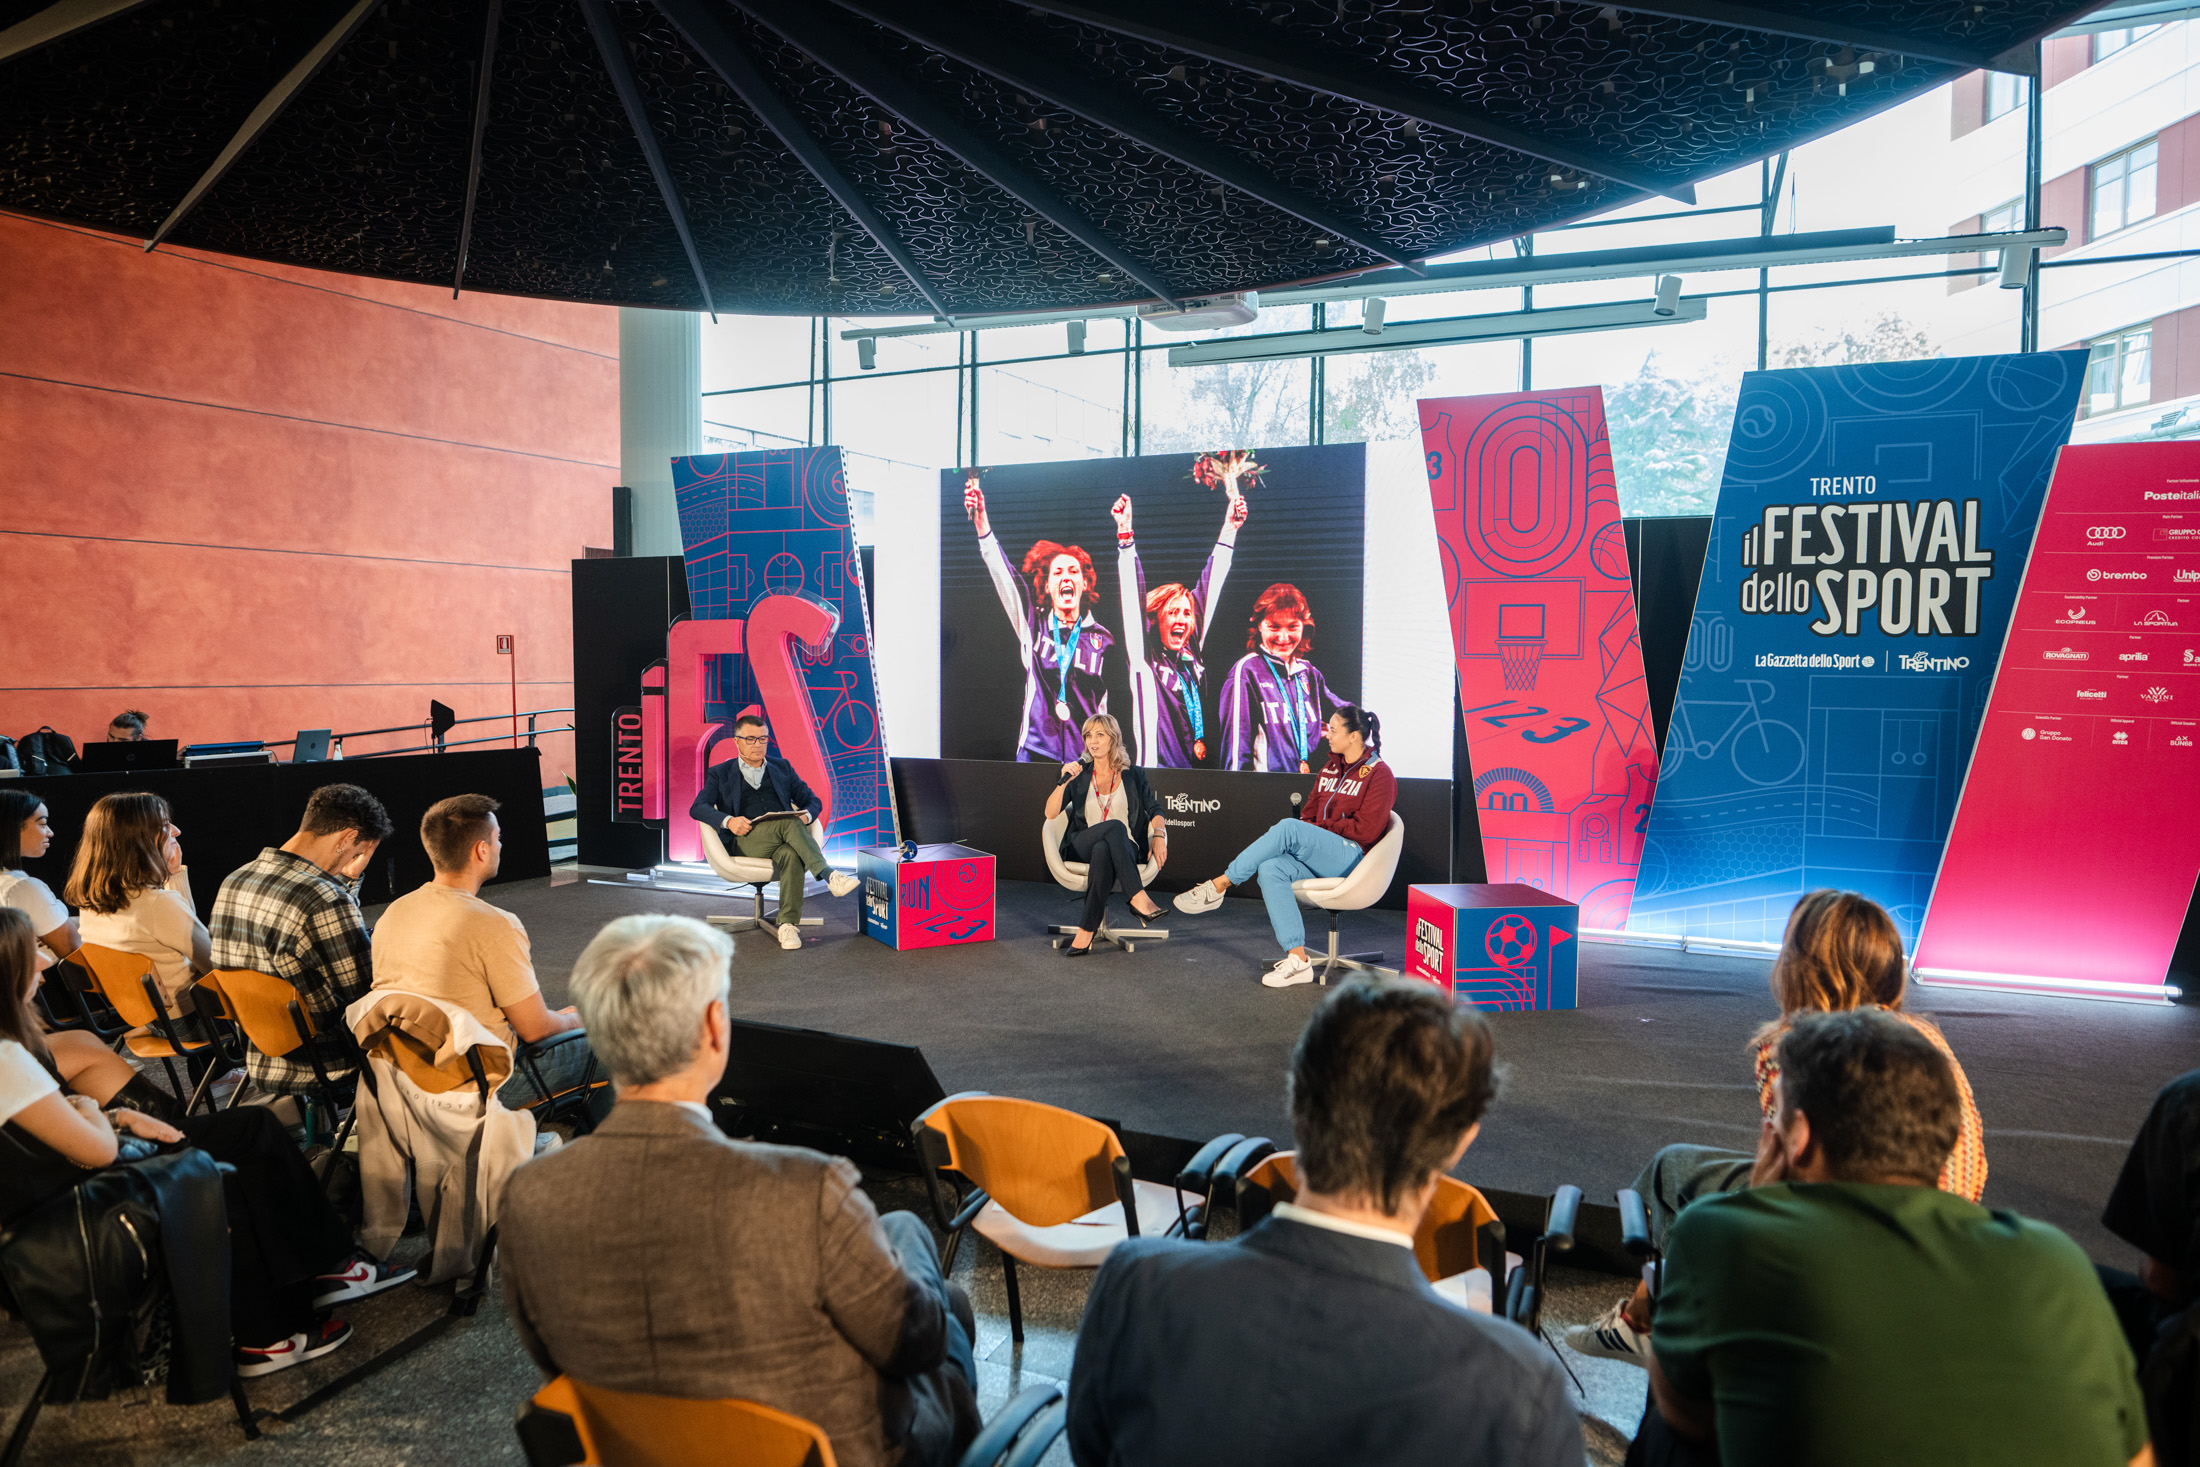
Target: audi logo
(2105,532)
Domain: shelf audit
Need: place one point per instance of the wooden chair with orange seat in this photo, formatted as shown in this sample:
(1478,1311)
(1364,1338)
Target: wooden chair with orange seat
(125,980)
(1052,1188)
(568,1424)
(267,1009)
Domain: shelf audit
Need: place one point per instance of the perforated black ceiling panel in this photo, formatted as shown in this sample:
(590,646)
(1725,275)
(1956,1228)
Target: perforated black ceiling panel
(871,156)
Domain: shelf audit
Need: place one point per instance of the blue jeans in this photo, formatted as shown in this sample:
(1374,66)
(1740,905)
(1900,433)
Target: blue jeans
(562,1068)
(1292,850)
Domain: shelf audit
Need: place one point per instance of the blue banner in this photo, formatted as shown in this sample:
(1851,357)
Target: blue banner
(1864,560)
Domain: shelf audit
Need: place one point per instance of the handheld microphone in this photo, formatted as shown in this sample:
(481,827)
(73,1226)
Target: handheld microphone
(1297,799)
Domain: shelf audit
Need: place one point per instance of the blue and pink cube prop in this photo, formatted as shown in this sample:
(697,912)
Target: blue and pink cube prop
(1499,946)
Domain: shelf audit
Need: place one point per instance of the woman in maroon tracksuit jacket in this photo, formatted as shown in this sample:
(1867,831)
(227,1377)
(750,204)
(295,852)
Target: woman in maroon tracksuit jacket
(1348,812)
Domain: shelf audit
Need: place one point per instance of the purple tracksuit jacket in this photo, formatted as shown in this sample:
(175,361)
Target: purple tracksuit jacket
(1272,722)
(1077,679)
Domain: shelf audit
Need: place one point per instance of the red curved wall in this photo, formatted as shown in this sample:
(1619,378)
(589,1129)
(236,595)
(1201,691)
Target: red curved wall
(250,499)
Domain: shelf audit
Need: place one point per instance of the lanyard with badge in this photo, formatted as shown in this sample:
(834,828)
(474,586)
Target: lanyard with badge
(1064,654)
(1295,704)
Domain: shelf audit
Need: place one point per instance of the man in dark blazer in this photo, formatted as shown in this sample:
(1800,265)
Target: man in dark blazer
(738,793)
(1314,1339)
(657,1255)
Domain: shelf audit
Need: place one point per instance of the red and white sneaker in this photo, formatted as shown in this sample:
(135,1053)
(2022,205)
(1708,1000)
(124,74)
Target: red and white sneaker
(356,1280)
(312,1344)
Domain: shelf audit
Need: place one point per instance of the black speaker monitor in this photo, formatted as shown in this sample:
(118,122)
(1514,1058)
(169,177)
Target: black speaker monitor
(805,1087)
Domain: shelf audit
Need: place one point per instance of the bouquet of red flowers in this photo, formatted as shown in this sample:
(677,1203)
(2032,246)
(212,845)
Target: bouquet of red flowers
(1215,470)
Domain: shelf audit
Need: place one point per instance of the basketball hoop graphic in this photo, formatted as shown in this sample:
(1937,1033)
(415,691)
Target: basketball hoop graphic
(1520,644)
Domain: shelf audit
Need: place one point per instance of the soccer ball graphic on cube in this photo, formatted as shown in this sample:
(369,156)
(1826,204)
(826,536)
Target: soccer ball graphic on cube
(1496,946)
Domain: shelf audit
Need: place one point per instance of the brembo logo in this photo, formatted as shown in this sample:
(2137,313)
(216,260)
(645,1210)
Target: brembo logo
(1186,805)
(2102,575)
(2105,532)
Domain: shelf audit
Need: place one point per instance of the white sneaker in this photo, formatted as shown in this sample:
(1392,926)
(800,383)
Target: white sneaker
(790,937)
(1201,898)
(1289,973)
(1611,1338)
(840,883)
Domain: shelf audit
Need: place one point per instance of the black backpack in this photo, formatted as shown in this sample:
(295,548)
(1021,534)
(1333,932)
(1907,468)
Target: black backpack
(7,754)
(45,752)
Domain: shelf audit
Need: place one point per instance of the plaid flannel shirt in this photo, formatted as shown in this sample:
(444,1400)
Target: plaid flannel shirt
(286,917)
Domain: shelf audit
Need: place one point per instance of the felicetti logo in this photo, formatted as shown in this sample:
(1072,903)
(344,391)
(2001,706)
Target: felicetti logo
(1186,805)
(2097,574)
(2065,654)
(2157,695)
(2091,693)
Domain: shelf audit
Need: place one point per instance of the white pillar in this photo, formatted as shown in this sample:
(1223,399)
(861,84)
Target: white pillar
(660,416)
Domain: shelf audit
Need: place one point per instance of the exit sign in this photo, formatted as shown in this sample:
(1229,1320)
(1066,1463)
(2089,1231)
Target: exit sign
(504,646)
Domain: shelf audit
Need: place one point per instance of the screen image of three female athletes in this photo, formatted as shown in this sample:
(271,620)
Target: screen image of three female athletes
(1274,702)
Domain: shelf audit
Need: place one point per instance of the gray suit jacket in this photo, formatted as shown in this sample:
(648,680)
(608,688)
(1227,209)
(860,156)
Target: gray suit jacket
(658,1255)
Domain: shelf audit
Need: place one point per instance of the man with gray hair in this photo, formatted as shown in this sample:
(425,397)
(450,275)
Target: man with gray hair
(658,1255)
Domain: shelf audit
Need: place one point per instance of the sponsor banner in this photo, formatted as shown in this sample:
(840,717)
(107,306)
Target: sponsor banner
(1504,946)
(1543,627)
(2074,851)
(779,625)
(1864,559)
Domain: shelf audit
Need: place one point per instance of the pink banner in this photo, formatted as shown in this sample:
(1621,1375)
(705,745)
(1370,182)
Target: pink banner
(1543,622)
(2074,849)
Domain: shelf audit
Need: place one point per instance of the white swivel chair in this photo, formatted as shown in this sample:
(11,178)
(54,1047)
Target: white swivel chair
(1361,887)
(749,871)
(1071,875)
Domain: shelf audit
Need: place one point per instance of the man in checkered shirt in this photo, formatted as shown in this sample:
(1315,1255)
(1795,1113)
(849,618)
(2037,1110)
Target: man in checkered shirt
(293,913)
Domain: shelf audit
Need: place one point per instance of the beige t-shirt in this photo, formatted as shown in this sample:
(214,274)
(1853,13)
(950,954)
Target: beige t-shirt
(442,943)
(160,923)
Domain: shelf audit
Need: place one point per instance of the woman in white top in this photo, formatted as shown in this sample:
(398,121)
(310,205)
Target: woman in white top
(25,835)
(134,892)
(1114,820)
(65,1099)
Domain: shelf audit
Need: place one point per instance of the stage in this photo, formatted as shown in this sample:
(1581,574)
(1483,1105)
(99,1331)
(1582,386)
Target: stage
(1180,1040)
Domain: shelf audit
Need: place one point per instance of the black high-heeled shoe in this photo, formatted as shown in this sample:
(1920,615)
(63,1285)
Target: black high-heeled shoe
(1076,952)
(1147,919)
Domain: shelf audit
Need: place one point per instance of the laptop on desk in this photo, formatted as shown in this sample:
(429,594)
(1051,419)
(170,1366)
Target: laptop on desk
(127,758)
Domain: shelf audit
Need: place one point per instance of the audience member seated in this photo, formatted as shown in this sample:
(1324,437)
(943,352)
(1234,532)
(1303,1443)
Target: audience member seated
(1841,952)
(134,891)
(1844,1309)
(442,940)
(1314,1338)
(766,1273)
(1349,813)
(128,727)
(2155,1207)
(293,914)
(65,1097)
(1108,798)
(735,797)
(25,835)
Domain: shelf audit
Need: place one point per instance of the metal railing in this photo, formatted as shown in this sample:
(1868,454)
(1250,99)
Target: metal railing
(436,744)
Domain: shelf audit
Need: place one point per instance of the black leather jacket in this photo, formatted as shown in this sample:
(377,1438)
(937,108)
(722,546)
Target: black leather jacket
(84,1267)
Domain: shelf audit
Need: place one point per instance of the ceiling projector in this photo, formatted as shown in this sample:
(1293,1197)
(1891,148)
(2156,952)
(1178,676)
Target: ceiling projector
(1209,313)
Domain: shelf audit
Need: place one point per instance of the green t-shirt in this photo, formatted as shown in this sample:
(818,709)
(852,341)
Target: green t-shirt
(1838,1323)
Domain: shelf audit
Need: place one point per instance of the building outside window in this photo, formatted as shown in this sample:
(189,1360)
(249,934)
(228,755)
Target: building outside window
(2123,189)
(2006,219)
(2108,43)
(2004,93)
(2116,374)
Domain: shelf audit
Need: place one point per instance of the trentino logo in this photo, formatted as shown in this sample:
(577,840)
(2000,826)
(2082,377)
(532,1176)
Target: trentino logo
(1186,805)
(1926,662)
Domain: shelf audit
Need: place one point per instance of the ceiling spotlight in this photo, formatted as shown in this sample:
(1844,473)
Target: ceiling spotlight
(867,352)
(2016,268)
(1076,338)
(1669,296)
(1371,315)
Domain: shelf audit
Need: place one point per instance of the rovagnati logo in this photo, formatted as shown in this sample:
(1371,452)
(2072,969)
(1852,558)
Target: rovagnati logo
(2066,654)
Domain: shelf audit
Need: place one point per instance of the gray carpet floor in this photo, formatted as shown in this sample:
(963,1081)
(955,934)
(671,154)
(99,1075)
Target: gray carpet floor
(1180,1039)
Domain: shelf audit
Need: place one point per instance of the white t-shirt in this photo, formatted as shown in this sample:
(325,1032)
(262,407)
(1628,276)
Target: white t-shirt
(34,899)
(23,1080)
(160,923)
(1114,807)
